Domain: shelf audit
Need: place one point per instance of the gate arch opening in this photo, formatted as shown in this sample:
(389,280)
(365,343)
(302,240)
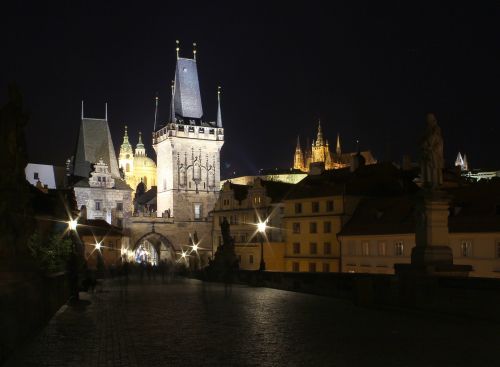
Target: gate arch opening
(152,248)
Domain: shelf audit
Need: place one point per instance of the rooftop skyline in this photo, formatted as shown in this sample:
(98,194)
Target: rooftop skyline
(368,73)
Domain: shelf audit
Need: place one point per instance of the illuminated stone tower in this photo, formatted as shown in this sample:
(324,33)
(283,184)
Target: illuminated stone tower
(188,150)
(298,159)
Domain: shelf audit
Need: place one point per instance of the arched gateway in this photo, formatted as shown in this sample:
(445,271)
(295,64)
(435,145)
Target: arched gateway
(152,247)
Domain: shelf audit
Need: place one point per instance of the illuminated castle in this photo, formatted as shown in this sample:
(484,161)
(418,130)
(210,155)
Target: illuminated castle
(319,153)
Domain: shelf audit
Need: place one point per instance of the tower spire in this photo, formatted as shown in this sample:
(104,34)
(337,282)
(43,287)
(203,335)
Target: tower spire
(82,109)
(156,111)
(219,113)
(140,150)
(319,138)
(338,149)
(194,50)
(106,111)
(172,107)
(177,48)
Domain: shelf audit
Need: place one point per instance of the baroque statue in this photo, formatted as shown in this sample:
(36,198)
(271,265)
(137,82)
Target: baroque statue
(431,155)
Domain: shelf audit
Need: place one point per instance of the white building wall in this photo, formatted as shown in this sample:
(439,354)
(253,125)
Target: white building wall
(45,172)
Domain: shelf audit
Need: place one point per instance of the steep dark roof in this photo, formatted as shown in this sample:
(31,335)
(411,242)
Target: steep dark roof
(94,142)
(383,215)
(381,179)
(276,190)
(473,208)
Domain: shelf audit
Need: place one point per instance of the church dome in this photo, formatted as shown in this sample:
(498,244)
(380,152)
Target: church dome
(143,161)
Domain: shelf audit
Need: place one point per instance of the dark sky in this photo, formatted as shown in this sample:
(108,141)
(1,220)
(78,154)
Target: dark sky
(368,72)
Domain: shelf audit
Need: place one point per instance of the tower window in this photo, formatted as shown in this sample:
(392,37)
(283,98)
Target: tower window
(98,205)
(35,176)
(127,167)
(197,211)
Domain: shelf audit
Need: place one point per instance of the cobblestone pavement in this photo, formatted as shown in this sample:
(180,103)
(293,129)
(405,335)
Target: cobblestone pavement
(190,323)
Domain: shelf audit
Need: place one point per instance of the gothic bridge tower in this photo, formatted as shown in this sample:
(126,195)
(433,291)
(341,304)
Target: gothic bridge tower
(188,150)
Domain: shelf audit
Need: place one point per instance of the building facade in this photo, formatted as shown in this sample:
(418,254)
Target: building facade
(244,206)
(381,233)
(99,188)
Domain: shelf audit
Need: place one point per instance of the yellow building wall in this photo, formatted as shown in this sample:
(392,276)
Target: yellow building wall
(484,256)
(306,259)
(249,256)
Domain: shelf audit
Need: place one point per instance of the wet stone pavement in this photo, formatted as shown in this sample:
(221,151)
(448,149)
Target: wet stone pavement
(191,323)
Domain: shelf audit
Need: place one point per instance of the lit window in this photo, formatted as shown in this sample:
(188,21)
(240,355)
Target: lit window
(466,248)
(296,248)
(399,248)
(197,211)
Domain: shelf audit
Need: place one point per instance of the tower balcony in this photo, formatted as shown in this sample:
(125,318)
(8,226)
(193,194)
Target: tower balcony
(207,132)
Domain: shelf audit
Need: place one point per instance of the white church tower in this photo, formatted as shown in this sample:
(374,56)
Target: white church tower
(188,150)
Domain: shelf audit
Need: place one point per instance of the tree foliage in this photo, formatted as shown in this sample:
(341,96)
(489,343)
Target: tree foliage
(51,254)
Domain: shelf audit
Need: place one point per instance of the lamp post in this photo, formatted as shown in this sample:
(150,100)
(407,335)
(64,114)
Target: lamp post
(261,226)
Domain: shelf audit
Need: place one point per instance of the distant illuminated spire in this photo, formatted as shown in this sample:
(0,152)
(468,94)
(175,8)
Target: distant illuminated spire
(106,111)
(194,50)
(298,148)
(466,164)
(82,109)
(219,114)
(338,150)
(177,48)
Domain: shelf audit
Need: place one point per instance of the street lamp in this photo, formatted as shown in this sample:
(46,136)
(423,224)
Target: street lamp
(72,224)
(261,227)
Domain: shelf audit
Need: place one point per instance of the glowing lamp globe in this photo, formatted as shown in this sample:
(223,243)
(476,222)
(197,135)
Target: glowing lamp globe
(261,226)
(72,224)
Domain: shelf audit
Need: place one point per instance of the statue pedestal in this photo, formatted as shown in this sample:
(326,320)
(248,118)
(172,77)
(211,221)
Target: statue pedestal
(431,255)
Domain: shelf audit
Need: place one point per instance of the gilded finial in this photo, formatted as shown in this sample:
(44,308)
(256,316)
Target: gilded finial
(177,48)
(194,50)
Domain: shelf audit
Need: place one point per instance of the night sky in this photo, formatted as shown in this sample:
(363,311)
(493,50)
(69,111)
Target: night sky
(369,73)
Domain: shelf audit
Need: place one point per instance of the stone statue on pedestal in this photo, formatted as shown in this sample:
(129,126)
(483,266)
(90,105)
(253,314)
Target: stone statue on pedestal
(431,155)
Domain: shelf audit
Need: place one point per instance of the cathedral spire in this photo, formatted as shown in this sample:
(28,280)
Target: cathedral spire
(298,148)
(298,159)
(194,50)
(177,48)
(338,149)
(319,138)
(219,114)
